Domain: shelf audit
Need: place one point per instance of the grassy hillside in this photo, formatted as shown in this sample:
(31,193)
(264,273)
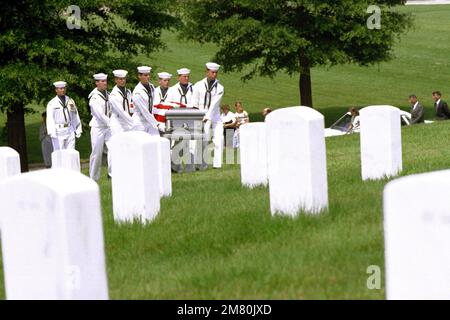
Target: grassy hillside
(214,239)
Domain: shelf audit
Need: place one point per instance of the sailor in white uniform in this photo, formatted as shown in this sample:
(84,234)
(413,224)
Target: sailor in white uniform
(143,96)
(63,121)
(121,104)
(161,92)
(100,125)
(181,93)
(207,96)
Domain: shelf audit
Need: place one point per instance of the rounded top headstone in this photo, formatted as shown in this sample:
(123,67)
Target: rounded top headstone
(7,151)
(61,181)
(291,113)
(379,109)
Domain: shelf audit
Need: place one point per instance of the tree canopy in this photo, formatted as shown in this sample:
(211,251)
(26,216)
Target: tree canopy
(37,48)
(294,36)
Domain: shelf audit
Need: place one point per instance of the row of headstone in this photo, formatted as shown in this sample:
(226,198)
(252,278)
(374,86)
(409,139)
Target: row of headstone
(51,231)
(416,208)
(141,175)
(52,239)
(50,220)
(288,152)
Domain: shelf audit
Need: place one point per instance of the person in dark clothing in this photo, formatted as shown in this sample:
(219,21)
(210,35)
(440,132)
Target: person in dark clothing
(440,106)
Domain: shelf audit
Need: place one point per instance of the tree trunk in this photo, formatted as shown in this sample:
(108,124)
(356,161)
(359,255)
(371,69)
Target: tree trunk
(16,134)
(305,83)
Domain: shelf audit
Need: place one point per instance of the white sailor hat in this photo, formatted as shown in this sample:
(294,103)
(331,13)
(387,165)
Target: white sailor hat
(164,75)
(144,69)
(120,73)
(100,76)
(59,84)
(183,71)
(212,66)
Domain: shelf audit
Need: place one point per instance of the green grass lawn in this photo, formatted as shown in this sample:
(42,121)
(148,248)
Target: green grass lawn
(214,239)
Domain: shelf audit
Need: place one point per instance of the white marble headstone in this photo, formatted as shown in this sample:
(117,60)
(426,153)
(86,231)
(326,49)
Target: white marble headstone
(296,161)
(417,236)
(135,176)
(52,236)
(66,159)
(381,142)
(165,177)
(253,154)
(9,162)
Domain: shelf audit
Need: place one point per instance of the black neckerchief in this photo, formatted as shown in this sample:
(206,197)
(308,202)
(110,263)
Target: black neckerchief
(125,102)
(163,93)
(105,96)
(209,87)
(149,92)
(183,92)
(63,101)
(211,83)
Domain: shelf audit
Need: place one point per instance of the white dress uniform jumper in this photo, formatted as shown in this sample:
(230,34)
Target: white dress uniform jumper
(63,122)
(143,117)
(121,109)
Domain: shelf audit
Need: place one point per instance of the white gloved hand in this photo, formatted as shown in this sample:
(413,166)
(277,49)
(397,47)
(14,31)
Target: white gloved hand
(161,127)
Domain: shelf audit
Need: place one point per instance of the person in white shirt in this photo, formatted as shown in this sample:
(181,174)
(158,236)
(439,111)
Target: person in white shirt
(229,124)
(354,125)
(143,95)
(63,121)
(161,92)
(100,125)
(241,119)
(207,96)
(121,104)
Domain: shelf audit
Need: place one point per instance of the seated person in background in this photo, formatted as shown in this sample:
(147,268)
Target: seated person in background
(46,142)
(265,112)
(441,107)
(229,121)
(417,111)
(241,119)
(354,122)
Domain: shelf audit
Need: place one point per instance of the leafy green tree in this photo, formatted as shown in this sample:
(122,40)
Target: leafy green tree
(42,42)
(294,36)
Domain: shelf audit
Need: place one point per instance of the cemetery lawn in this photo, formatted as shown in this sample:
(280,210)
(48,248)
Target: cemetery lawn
(214,239)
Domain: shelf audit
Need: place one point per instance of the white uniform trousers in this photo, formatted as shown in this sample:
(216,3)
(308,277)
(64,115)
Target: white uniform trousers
(201,152)
(65,139)
(99,137)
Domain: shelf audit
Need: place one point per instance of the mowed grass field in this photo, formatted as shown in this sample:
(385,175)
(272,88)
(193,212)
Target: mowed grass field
(214,239)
